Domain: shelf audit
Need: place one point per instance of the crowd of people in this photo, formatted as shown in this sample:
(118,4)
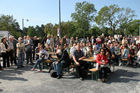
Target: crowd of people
(106,49)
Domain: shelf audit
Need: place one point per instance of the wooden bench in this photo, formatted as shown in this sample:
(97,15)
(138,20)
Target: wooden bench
(125,61)
(94,71)
(45,64)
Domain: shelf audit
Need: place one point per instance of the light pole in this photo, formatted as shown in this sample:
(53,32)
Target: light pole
(59,18)
(139,27)
(23,26)
(139,31)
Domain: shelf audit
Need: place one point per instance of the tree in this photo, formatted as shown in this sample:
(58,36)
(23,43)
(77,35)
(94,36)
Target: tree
(94,31)
(114,17)
(67,28)
(48,28)
(133,28)
(8,23)
(107,17)
(40,31)
(31,31)
(84,14)
(126,17)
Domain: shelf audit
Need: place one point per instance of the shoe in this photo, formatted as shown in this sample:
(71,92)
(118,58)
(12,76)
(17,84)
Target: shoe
(120,64)
(105,80)
(18,67)
(81,78)
(39,70)
(59,77)
(1,68)
(100,80)
(32,69)
(31,63)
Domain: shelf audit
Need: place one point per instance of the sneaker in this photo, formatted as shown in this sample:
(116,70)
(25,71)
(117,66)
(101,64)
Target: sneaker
(39,70)
(120,64)
(32,69)
(81,78)
(1,68)
(18,67)
(59,77)
(100,80)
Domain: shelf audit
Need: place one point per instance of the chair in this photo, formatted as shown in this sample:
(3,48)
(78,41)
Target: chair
(94,71)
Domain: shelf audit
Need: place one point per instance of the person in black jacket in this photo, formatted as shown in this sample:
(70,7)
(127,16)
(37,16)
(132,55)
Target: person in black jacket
(63,61)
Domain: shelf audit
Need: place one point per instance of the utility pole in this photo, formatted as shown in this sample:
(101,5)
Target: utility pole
(60,18)
(23,26)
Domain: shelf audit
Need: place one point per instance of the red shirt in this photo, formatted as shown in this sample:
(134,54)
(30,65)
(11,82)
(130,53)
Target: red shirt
(99,40)
(100,57)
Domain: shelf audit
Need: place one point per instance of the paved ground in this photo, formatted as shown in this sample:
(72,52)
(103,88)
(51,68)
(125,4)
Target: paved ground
(12,80)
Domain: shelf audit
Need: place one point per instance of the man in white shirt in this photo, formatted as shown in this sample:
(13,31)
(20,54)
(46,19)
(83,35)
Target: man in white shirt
(11,49)
(43,55)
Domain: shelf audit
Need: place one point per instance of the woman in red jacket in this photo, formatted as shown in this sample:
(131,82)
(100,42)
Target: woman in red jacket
(102,61)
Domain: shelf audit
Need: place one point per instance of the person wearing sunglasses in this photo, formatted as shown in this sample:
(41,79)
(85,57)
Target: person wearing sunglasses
(102,62)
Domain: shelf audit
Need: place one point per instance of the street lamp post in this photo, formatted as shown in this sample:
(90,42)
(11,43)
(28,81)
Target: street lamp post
(59,18)
(23,26)
(139,27)
(139,30)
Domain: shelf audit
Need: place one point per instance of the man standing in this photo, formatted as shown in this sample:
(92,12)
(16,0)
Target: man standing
(11,49)
(28,49)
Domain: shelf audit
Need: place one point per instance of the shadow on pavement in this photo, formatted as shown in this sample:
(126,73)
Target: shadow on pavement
(10,73)
(1,90)
(123,76)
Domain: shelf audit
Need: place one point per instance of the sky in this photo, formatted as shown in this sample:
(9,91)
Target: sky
(47,11)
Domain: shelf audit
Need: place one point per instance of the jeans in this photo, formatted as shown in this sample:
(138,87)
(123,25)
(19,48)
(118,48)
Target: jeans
(29,56)
(58,68)
(20,59)
(38,63)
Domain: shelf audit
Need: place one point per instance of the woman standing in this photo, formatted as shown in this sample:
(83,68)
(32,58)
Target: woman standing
(5,54)
(0,56)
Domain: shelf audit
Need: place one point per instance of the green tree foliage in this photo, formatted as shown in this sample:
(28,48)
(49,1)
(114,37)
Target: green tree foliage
(31,31)
(125,18)
(40,31)
(133,28)
(108,17)
(94,31)
(68,28)
(114,17)
(8,23)
(84,14)
(48,28)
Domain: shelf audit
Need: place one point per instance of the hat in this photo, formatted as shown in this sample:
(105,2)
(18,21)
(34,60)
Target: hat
(11,37)
(19,38)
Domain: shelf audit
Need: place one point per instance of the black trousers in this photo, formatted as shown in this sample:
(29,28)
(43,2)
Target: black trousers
(29,56)
(82,69)
(103,72)
(5,57)
(12,57)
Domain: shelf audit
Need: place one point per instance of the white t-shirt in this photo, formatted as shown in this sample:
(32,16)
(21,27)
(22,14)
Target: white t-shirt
(44,52)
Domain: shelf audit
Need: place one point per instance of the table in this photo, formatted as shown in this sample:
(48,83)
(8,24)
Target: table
(90,59)
(51,53)
(54,56)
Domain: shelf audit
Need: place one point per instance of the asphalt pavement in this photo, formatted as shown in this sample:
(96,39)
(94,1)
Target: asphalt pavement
(12,80)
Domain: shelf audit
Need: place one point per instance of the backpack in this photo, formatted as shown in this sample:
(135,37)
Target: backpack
(53,74)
